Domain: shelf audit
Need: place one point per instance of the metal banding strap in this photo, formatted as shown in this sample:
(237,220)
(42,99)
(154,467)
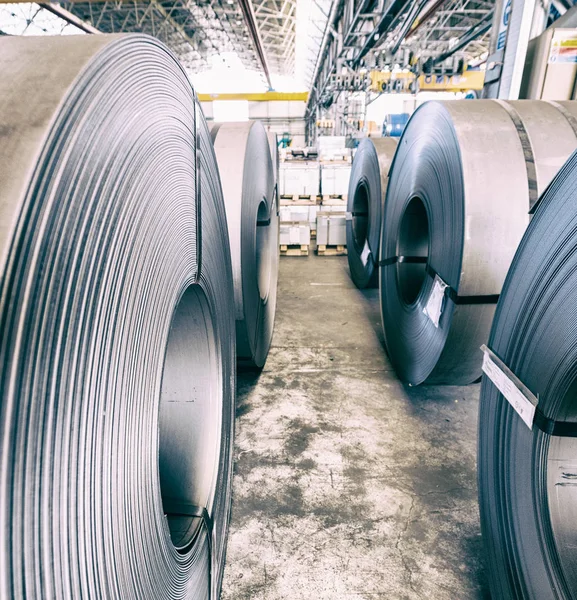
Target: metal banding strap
(543,422)
(570,118)
(527,151)
(573,124)
(451,293)
(403,259)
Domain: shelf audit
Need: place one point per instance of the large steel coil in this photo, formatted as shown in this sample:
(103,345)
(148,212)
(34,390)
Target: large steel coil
(248,183)
(367,188)
(117,348)
(463,180)
(275,158)
(527,476)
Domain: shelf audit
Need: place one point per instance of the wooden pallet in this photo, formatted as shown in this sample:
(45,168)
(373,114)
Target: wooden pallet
(299,199)
(297,250)
(323,250)
(334,199)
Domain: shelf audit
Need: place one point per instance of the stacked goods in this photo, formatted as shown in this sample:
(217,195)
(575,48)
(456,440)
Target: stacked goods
(296,227)
(299,179)
(335,179)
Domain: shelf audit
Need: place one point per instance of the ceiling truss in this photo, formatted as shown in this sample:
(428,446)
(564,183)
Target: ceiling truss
(419,35)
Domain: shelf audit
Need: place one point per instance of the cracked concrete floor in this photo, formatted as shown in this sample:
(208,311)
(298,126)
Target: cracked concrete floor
(349,485)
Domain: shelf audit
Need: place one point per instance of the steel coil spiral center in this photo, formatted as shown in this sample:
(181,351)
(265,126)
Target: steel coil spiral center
(413,242)
(361,214)
(190,416)
(263,250)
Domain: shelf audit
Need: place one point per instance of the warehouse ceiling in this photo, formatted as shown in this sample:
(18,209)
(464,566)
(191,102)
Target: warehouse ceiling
(283,37)
(276,21)
(261,33)
(194,31)
(313,41)
(440,26)
(416,35)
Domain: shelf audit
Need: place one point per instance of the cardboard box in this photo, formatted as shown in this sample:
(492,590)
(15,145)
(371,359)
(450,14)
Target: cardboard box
(331,230)
(294,234)
(335,179)
(294,213)
(299,179)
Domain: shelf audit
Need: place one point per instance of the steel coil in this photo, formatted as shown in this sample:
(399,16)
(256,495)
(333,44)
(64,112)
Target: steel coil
(527,489)
(462,182)
(117,364)
(248,183)
(275,158)
(367,188)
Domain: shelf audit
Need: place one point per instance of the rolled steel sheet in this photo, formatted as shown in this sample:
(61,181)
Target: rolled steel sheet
(248,183)
(275,158)
(117,363)
(527,492)
(462,182)
(367,188)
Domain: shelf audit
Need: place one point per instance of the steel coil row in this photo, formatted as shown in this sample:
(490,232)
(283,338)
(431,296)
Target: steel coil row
(464,177)
(249,181)
(367,188)
(117,315)
(528,467)
(464,264)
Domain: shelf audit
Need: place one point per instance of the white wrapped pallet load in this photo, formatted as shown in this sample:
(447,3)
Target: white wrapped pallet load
(291,214)
(335,179)
(334,208)
(294,234)
(333,147)
(337,230)
(299,179)
(331,229)
(313,210)
(322,229)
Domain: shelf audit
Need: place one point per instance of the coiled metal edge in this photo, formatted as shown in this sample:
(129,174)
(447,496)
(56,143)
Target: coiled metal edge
(117,363)
(463,179)
(527,490)
(248,183)
(367,188)
(275,158)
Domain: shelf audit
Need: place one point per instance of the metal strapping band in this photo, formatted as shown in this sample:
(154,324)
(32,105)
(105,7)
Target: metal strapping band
(527,151)
(570,118)
(543,422)
(451,293)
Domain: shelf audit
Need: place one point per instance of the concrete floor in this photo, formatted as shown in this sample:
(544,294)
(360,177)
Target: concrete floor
(349,485)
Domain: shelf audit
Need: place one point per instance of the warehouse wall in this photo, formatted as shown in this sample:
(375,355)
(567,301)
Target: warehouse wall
(278,116)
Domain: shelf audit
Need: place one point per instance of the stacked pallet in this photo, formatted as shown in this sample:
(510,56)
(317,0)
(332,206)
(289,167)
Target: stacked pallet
(295,228)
